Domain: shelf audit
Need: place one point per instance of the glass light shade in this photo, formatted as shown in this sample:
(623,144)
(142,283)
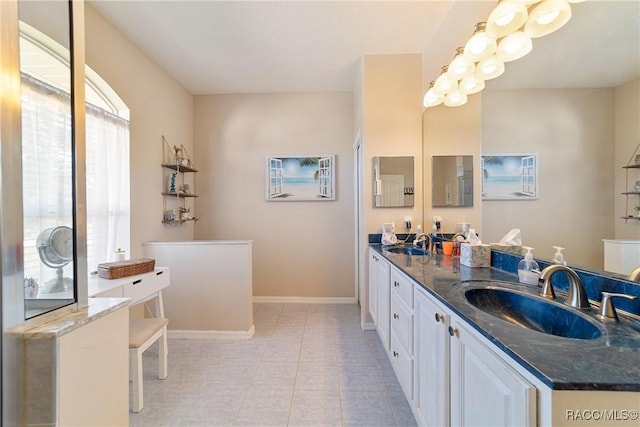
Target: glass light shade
(455,98)
(443,84)
(460,66)
(505,18)
(489,68)
(471,84)
(514,46)
(480,46)
(431,98)
(547,17)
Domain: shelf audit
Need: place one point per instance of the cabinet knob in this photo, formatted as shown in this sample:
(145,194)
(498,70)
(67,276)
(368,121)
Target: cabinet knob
(453,331)
(438,317)
(395,316)
(396,284)
(395,354)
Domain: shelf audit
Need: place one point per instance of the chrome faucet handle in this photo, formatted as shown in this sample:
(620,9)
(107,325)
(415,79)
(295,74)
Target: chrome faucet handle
(607,310)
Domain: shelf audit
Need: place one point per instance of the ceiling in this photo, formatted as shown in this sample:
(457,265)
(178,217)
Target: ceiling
(214,47)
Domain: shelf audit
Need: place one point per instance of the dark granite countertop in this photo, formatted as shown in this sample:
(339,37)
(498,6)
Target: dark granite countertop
(610,362)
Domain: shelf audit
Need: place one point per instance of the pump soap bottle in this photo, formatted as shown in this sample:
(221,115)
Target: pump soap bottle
(558,258)
(528,269)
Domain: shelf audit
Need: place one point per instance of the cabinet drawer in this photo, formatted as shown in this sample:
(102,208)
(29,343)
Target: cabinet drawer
(403,366)
(144,287)
(402,323)
(402,286)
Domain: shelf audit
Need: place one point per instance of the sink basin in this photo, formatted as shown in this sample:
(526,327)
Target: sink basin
(533,312)
(409,250)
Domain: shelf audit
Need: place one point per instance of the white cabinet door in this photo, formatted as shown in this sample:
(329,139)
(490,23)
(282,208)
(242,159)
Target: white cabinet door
(431,362)
(383,300)
(373,285)
(484,390)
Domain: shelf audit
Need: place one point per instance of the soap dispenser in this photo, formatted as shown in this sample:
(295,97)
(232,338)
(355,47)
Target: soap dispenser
(528,269)
(558,258)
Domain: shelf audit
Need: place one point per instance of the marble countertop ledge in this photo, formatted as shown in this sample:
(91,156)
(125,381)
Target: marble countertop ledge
(611,362)
(70,321)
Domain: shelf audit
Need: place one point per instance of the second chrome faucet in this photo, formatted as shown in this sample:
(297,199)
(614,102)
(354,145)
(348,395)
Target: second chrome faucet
(576,297)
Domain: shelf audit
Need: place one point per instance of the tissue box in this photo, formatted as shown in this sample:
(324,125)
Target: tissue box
(510,249)
(475,256)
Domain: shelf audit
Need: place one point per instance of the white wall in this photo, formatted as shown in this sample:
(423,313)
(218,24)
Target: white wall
(159,106)
(572,130)
(300,249)
(627,138)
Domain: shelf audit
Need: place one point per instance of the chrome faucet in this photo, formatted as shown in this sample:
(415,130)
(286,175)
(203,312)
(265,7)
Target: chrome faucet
(634,276)
(577,297)
(424,237)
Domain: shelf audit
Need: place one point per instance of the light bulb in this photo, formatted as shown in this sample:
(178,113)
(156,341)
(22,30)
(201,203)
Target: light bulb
(455,98)
(507,17)
(432,98)
(443,83)
(514,46)
(489,68)
(460,66)
(547,17)
(471,84)
(480,45)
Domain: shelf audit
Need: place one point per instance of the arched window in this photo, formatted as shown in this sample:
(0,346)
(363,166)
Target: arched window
(46,122)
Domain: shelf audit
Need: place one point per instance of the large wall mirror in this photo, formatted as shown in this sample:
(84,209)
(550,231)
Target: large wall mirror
(393,184)
(47,155)
(451,181)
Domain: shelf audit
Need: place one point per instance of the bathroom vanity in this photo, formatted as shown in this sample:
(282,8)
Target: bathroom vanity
(458,364)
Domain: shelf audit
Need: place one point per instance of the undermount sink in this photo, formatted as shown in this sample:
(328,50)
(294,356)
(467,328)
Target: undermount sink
(409,250)
(533,312)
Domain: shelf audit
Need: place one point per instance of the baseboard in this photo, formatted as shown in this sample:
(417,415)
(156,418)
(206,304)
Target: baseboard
(369,326)
(306,300)
(218,335)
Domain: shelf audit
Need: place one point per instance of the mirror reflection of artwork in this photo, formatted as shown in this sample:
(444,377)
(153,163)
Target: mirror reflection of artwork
(300,178)
(510,177)
(452,181)
(393,184)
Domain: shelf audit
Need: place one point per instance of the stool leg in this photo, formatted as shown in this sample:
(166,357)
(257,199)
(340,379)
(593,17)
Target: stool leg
(135,366)
(162,354)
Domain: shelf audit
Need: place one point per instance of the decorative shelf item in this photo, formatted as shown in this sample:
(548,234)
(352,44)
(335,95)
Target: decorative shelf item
(632,186)
(176,162)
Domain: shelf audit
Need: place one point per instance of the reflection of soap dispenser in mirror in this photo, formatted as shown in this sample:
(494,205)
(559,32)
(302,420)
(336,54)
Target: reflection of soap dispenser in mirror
(528,269)
(558,258)
(389,234)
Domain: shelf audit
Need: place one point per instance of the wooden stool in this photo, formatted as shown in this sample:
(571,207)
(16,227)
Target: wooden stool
(143,333)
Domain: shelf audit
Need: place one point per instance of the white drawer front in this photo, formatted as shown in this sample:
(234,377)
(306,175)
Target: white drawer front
(145,287)
(403,366)
(110,293)
(402,286)
(402,323)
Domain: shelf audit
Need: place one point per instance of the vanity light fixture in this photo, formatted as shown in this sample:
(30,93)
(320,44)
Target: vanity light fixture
(508,16)
(432,98)
(547,17)
(443,84)
(460,66)
(505,36)
(480,45)
(514,46)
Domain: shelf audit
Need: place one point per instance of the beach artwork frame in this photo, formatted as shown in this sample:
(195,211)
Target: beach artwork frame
(509,176)
(300,178)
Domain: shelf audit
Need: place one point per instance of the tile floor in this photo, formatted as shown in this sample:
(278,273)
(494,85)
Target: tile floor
(307,365)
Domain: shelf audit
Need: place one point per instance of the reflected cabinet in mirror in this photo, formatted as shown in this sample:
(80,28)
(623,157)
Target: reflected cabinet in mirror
(452,181)
(393,182)
(47,155)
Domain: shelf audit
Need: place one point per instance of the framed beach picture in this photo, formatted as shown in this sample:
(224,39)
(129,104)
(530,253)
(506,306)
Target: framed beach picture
(300,178)
(510,176)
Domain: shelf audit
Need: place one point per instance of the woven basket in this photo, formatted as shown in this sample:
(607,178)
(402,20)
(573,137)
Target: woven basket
(130,267)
